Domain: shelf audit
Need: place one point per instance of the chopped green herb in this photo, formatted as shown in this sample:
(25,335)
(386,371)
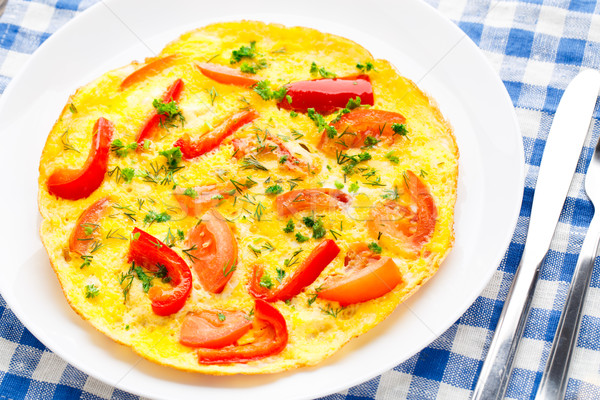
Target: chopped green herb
(293,114)
(190,192)
(142,276)
(318,229)
(289,227)
(91,291)
(243,52)
(221,316)
(263,88)
(371,141)
(375,248)
(399,129)
(280,274)
(265,281)
(274,189)
(283,159)
(72,108)
(315,69)
(309,221)
(391,157)
(87,261)
(170,111)
(253,68)
(366,67)
(339,185)
(153,216)
(127,174)
(121,149)
(173,157)
(353,188)
(300,238)
(251,162)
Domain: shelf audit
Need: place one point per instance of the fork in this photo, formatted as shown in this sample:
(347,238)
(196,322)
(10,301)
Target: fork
(554,379)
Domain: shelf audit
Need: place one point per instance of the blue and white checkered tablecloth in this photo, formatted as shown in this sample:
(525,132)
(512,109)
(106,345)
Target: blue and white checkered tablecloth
(537,47)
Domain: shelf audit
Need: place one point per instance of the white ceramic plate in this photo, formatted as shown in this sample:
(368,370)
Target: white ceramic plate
(423,45)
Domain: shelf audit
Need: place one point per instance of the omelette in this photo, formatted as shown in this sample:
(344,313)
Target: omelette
(248,200)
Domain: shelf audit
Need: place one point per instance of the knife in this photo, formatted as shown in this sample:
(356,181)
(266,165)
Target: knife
(561,153)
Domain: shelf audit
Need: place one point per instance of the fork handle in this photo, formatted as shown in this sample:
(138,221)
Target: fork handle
(554,379)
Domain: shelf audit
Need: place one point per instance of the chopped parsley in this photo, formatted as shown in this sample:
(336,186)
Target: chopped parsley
(339,185)
(173,157)
(293,114)
(399,129)
(153,217)
(321,124)
(265,281)
(91,291)
(243,52)
(221,316)
(127,174)
(371,141)
(353,187)
(318,229)
(263,88)
(121,149)
(315,69)
(366,67)
(283,159)
(253,68)
(280,274)
(375,248)
(391,157)
(300,238)
(289,227)
(170,111)
(274,189)
(190,192)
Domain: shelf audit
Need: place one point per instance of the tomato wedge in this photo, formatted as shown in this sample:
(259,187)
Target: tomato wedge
(274,145)
(318,199)
(215,253)
(367,277)
(198,200)
(172,93)
(74,184)
(86,228)
(304,275)
(212,139)
(327,95)
(410,219)
(148,70)
(271,339)
(355,126)
(148,251)
(214,328)
(227,75)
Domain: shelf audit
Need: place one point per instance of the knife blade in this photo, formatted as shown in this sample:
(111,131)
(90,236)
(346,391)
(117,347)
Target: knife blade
(559,160)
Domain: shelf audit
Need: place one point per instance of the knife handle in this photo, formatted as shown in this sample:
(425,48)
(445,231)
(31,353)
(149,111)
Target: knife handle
(493,379)
(552,385)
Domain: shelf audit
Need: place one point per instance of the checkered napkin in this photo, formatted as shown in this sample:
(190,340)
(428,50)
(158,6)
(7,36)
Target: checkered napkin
(537,47)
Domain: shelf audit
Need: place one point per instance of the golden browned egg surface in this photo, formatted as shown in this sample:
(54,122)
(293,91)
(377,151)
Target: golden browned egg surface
(141,190)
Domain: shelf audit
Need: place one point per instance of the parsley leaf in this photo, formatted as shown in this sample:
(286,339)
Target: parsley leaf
(366,67)
(170,111)
(399,129)
(315,69)
(274,189)
(289,227)
(265,281)
(391,157)
(263,88)
(153,217)
(122,149)
(375,248)
(243,52)
(173,157)
(91,291)
(300,238)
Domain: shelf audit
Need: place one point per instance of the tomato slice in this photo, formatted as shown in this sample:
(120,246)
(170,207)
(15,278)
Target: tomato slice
(304,275)
(215,253)
(271,339)
(74,184)
(318,199)
(227,75)
(148,251)
(367,277)
(148,70)
(212,139)
(326,95)
(273,145)
(214,328)
(202,198)
(86,228)
(354,127)
(172,93)
(410,219)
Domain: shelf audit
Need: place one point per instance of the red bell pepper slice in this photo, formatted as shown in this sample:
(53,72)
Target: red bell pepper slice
(74,184)
(304,275)
(367,276)
(410,219)
(271,341)
(214,328)
(86,227)
(148,70)
(227,75)
(148,251)
(326,95)
(318,199)
(212,139)
(172,93)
